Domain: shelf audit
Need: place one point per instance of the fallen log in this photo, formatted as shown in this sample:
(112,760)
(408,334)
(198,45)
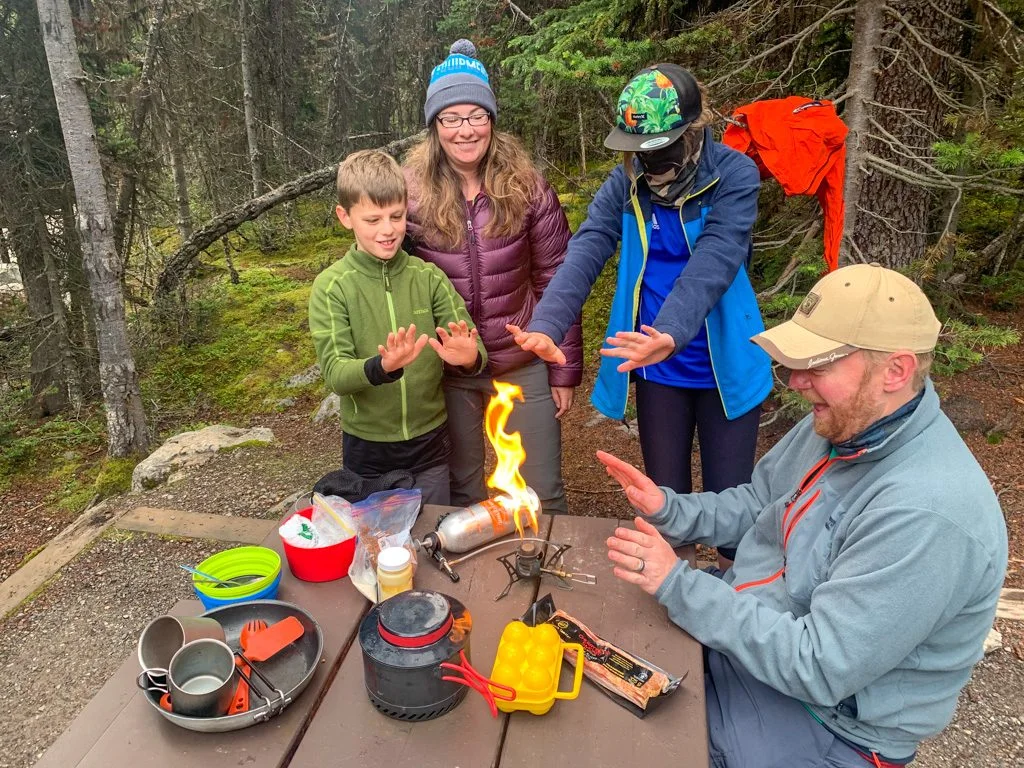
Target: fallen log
(181,261)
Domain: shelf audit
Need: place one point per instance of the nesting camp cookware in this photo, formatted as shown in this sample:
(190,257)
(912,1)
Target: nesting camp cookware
(416,656)
(275,682)
(165,635)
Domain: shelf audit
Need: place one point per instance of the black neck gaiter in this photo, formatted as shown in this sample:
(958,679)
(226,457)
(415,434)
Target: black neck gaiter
(672,171)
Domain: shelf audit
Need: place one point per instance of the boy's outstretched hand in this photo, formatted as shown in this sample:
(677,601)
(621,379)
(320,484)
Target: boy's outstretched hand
(641,491)
(457,345)
(402,348)
(539,343)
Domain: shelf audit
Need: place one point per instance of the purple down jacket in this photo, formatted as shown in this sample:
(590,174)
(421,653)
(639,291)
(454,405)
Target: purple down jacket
(502,279)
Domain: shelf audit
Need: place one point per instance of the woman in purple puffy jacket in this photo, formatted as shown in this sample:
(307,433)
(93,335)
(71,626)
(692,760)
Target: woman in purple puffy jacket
(480,210)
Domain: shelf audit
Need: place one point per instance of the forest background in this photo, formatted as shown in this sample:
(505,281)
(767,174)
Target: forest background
(166,172)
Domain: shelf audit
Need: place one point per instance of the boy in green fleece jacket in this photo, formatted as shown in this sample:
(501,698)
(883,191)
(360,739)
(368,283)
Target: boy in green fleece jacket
(363,314)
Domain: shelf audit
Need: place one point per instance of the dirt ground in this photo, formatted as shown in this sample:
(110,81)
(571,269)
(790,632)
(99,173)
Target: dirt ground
(59,646)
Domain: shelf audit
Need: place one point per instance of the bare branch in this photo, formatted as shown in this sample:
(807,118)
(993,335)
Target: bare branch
(963,65)
(519,12)
(794,262)
(842,9)
(267,126)
(948,228)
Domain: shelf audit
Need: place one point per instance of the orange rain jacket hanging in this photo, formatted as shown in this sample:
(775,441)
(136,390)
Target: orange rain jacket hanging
(802,144)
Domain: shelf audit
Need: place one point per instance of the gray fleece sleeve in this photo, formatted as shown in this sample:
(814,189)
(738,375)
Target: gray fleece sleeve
(899,572)
(719,519)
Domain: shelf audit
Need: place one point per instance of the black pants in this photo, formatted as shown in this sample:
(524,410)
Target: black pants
(668,417)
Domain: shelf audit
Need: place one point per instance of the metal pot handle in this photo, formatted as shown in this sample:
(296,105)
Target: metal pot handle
(151,686)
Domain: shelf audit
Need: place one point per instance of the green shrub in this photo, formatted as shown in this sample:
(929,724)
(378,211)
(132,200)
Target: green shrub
(962,346)
(17,450)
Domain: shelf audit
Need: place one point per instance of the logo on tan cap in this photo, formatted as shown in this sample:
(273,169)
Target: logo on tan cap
(831,357)
(809,303)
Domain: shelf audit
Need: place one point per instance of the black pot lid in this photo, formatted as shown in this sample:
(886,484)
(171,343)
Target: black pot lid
(415,615)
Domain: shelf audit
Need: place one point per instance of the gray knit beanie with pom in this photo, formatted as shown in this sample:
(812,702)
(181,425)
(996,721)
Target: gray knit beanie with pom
(459,79)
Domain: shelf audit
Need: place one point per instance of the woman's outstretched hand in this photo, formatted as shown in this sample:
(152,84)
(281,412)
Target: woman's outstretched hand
(641,491)
(539,343)
(457,345)
(639,349)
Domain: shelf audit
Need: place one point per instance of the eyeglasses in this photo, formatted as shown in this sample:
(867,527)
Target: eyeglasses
(454,121)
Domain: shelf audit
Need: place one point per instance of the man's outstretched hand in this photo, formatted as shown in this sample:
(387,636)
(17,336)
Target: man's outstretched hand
(641,491)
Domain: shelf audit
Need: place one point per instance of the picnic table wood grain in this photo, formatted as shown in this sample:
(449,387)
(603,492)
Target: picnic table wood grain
(333,722)
(594,729)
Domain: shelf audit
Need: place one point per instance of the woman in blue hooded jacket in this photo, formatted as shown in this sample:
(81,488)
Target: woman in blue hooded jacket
(682,206)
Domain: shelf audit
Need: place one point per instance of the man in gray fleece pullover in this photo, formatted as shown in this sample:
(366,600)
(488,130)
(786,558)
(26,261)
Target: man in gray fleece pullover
(871,548)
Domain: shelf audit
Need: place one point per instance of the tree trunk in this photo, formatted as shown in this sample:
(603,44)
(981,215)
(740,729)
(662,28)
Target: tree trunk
(58,386)
(249,101)
(68,369)
(126,421)
(340,96)
(81,319)
(45,379)
(583,141)
(181,197)
(892,210)
(860,91)
(143,99)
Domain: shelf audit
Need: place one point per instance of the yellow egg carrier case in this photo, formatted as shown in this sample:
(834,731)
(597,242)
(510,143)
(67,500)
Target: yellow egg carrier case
(529,659)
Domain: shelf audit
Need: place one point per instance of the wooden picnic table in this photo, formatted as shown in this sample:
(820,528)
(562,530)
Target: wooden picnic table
(333,723)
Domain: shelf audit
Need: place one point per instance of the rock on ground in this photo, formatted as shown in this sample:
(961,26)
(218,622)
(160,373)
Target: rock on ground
(330,408)
(309,376)
(190,449)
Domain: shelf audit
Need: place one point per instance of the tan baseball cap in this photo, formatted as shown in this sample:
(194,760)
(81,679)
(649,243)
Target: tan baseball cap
(862,306)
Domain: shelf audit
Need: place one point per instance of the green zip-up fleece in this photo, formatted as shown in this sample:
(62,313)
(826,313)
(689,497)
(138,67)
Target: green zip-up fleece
(356,302)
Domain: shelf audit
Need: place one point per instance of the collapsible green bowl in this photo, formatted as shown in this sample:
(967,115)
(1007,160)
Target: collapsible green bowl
(232,563)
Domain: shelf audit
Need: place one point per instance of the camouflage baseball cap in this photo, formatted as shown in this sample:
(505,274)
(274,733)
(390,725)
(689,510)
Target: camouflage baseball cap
(655,108)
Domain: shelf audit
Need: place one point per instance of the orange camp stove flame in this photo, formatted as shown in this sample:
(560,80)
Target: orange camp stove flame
(515,495)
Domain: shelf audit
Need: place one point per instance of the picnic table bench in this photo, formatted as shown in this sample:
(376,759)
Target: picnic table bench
(333,722)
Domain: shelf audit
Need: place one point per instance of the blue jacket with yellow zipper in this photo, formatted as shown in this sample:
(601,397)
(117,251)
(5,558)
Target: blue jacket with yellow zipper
(713,288)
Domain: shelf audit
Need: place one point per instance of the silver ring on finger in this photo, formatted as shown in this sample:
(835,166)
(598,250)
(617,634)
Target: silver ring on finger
(643,564)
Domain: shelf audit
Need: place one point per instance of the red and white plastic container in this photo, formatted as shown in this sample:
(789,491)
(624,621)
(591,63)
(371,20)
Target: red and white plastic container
(319,563)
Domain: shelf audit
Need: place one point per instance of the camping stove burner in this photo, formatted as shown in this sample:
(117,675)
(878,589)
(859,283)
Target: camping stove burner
(528,562)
